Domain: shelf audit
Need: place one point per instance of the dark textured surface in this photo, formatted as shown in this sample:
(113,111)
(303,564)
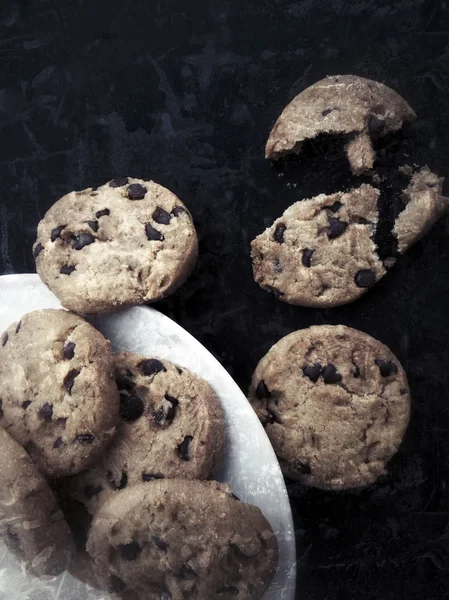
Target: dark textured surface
(186,93)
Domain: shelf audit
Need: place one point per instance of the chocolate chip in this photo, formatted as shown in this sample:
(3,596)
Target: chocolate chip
(5,339)
(187,572)
(117,585)
(19,325)
(85,438)
(1,411)
(93,194)
(92,490)
(102,213)
(277,265)
(56,232)
(123,481)
(69,380)
(375,125)
(118,182)
(67,269)
(234,496)
(335,207)
(38,249)
(166,414)
(93,225)
(303,468)
(161,216)
(153,234)
(386,367)
(365,278)
(279,233)
(336,227)
(356,373)
(26,404)
(151,476)
(81,240)
(125,384)
(184,448)
(130,551)
(272,417)
(330,374)
(136,191)
(326,111)
(151,366)
(262,391)
(69,350)
(12,536)
(179,370)
(178,210)
(159,542)
(307,254)
(312,372)
(58,443)
(131,407)
(46,412)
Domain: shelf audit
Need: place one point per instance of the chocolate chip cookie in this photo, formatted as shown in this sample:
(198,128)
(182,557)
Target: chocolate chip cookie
(171,426)
(359,108)
(128,242)
(184,539)
(31,523)
(58,396)
(335,404)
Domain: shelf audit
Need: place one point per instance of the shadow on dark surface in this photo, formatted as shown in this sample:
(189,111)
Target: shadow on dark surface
(186,94)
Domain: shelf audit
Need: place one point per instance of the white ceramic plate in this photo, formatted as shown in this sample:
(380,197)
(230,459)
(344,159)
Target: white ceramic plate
(250,466)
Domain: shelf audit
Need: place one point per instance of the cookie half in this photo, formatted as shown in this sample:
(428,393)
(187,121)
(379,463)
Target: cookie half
(335,404)
(32,525)
(127,242)
(184,539)
(57,389)
(356,107)
(171,426)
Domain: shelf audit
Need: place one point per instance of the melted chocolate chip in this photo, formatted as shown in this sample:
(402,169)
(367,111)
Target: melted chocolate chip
(365,278)
(262,391)
(93,225)
(187,572)
(26,404)
(136,191)
(122,484)
(67,269)
(46,412)
(330,374)
(184,448)
(303,468)
(151,476)
(153,234)
(312,372)
(336,227)
(161,216)
(131,407)
(19,325)
(5,338)
(38,249)
(92,490)
(178,210)
(117,585)
(279,233)
(159,543)
(129,551)
(151,366)
(375,125)
(326,111)
(56,232)
(85,438)
(69,379)
(58,443)
(118,182)
(306,258)
(102,213)
(335,207)
(81,240)
(69,350)
(386,367)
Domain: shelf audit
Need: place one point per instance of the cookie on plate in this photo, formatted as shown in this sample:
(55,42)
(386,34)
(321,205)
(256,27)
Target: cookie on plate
(31,523)
(335,404)
(180,539)
(171,426)
(128,242)
(57,389)
(358,108)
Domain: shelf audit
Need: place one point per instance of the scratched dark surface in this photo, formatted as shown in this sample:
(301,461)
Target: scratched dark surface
(185,93)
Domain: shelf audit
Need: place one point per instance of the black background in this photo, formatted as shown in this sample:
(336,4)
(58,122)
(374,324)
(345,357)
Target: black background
(185,92)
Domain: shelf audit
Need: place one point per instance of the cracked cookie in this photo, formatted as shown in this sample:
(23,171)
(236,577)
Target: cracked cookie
(31,523)
(58,397)
(359,108)
(335,404)
(128,242)
(171,426)
(180,539)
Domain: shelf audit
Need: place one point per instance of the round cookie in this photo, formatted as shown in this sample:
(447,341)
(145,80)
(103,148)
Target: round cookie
(343,104)
(171,426)
(321,252)
(57,389)
(184,539)
(31,523)
(127,242)
(335,404)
